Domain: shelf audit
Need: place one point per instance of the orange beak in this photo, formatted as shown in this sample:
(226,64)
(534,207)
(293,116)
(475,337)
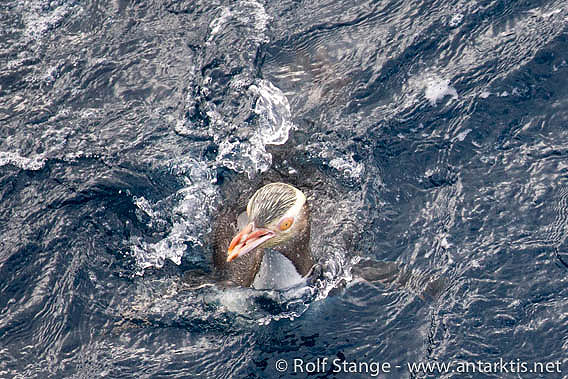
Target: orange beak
(246,240)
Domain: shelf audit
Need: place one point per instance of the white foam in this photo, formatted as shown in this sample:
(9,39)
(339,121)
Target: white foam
(456,20)
(348,167)
(241,301)
(461,136)
(39,21)
(234,300)
(33,164)
(345,165)
(437,89)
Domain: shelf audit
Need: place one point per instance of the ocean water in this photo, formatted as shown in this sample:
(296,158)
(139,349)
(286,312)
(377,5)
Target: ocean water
(430,135)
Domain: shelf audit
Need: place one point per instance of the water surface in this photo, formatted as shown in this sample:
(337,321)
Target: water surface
(429,134)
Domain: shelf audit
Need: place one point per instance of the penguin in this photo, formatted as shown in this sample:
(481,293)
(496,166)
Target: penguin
(270,238)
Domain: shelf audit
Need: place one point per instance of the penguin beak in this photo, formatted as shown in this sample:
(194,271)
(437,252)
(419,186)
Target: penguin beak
(248,239)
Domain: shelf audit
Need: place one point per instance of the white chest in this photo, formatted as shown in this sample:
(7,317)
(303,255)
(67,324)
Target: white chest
(276,272)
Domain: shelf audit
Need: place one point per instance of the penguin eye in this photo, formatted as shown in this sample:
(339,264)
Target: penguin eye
(286,223)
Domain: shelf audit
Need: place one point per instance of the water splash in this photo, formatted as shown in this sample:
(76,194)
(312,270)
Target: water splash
(245,13)
(273,113)
(189,216)
(437,89)
(272,128)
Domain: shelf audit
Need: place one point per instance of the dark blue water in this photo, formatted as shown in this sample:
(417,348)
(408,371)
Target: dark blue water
(428,134)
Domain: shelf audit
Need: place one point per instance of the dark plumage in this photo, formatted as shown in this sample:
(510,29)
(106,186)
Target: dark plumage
(277,217)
